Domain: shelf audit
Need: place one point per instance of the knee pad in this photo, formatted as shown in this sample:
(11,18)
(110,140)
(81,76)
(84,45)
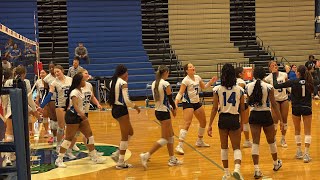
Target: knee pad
(285,126)
(9,138)
(60,131)
(224,154)
(201,131)
(171,140)
(237,154)
(183,134)
(123,145)
(90,140)
(65,144)
(162,141)
(297,139)
(307,139)
(255,149)
(53,125)
(45,120)
(246,127)
(77,134)
(273,148)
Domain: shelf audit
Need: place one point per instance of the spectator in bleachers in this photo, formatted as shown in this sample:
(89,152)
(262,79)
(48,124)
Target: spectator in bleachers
(30,54)
(15,55)
(291,71)
(82,53)
(8,46)
(310,61)
(74,69)
(5,63)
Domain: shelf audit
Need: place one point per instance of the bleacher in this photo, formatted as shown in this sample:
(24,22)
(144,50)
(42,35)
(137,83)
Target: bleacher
(18,15)
(112,33)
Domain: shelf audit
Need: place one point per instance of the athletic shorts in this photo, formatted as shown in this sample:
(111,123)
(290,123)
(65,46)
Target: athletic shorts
(72,118)
(229,121)
(161,115)
(280,102)
(262,118)
(60,107)
(195,106)
(301,111)
(119,111)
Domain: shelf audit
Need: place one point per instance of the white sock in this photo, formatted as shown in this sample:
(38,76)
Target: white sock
(147,154)
(299,148)
(306,151)
(226,170)
(275,162)
(55,139)
(283,136)
(256,167)
(121,158)
(173,158)
(237,167)
(61,155)
(180,144)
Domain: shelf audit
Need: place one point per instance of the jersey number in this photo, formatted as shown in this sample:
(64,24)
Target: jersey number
(231,99)
(66,93)
(303,87)
(197,89)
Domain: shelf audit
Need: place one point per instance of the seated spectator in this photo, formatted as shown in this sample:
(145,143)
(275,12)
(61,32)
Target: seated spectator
(15,55)
(5,63)
(74,69)
(311,60)
(291,71)
(8,46)
(30,54)
(82,53)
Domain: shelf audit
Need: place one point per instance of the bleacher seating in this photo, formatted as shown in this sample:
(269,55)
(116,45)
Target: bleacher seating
(288,27)
(112,33)
(18,15)
(200,34)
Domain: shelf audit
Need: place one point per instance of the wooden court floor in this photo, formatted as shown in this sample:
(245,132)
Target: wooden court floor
(198,163)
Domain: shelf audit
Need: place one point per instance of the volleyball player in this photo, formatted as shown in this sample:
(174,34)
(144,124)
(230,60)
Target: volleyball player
(60,86)
(189,90)
(260,94)
(230,98)
(245,122)
(163,99)
(51,105)
(40,95)
(119,100)
(301,94)
(19,73)
(76,120)
(281,97)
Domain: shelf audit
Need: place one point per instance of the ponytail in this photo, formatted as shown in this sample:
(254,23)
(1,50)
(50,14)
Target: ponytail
(76,81)
(255,99)
(161,69)
(305,74)
(120,70)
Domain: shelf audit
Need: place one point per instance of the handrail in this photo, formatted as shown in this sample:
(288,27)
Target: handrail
(272,51)
(283,58)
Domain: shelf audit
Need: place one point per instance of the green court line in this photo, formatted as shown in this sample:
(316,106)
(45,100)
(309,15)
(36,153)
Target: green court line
(201,154)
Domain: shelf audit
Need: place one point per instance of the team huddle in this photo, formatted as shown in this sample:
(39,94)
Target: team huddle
(258,105)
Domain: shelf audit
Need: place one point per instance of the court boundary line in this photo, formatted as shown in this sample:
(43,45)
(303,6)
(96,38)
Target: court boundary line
(200,153)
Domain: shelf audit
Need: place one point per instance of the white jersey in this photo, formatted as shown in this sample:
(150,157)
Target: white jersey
(87,92)
(191,95)
(80,97)
(229,98)
(49,79)
(119,99)
(40,88)
(163,103)
(279,94)
(240,81)
(265,93)
(6,99)
(62,89)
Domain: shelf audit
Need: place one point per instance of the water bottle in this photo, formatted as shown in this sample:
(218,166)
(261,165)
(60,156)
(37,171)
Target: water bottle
(147,102)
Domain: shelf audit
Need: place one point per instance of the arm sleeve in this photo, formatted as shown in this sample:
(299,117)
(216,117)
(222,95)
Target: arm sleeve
(171,101)
(126,98)
(283,85)
(46,100)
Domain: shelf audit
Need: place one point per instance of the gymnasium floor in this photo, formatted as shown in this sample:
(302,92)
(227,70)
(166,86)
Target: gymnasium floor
(198,163)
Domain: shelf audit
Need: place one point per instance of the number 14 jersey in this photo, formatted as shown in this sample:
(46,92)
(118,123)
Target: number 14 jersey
(229,98)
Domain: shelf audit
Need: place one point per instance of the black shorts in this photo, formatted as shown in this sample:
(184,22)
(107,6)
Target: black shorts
(301,111)
(119,111)
(262,118)
(72,117)
(195,106)
(229,121)
(161,115)
(60,107)
(280,102)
